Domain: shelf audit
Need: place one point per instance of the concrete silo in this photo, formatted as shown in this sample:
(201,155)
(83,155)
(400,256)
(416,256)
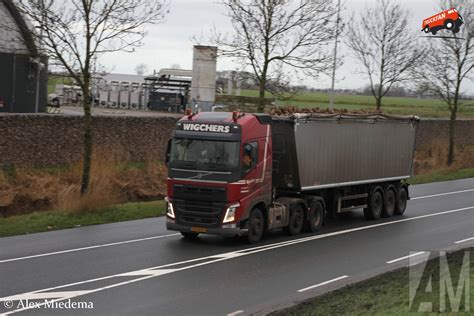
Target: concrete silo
(203,86)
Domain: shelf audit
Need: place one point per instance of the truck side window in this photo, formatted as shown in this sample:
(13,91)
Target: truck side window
(249,156)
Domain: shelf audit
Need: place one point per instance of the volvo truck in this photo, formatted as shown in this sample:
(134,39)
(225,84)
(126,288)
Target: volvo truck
(238,174)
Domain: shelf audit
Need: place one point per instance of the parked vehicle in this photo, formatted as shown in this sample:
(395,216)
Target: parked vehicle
(236,174)
(448,19)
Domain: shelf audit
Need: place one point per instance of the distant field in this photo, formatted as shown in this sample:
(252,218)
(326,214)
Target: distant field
(390,105)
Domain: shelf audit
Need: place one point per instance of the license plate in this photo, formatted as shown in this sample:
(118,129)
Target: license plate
(198,229)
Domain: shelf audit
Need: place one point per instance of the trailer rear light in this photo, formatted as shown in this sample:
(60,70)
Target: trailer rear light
(230,213)
(169,208)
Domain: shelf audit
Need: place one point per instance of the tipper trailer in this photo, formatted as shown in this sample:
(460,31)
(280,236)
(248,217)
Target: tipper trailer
(236,174)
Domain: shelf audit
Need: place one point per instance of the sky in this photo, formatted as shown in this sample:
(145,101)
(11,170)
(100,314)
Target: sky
(171,42)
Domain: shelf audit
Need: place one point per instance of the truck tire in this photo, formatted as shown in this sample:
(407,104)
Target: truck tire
(187,235)
(389,203)
(297,216)
(315,216)
(255,226)
(401,203)
(374,209)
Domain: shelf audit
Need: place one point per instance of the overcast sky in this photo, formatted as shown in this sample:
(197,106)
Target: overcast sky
(171,42)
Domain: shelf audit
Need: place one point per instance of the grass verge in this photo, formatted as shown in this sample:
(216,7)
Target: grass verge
(443,175)
(56,220)
(388,294)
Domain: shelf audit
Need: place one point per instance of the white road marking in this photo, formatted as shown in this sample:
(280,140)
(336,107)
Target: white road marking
(406,257)
(464,240)
(323,283)
(235,313)
(219,258)
(441,194)
(87,248)
(160,236)
(46,296)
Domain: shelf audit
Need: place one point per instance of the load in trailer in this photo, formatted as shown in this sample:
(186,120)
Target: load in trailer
(236,174)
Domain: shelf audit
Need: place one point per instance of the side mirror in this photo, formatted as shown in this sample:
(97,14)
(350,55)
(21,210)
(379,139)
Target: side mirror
(168,152)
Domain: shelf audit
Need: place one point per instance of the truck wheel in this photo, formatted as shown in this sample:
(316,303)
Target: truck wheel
(187,235)
(315,217)
(374,210)
(255,226)
(389,203)
(296,220)
(401,203)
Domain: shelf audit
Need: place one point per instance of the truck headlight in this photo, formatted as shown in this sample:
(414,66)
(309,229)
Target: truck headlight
(169,208)
(230,213)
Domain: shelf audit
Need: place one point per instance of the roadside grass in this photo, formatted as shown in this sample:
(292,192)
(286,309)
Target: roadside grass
(56,220)
(391,105)
(442,175)
(388,294)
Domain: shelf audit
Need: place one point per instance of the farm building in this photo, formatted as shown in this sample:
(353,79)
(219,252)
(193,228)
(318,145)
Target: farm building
(23,75)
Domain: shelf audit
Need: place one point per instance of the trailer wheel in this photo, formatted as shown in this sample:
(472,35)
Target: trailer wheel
(426,29)
(389,203)
(187,235)
(402,198)
(315,216)
(374,209)
(296,220)
(456,29)
(255,226)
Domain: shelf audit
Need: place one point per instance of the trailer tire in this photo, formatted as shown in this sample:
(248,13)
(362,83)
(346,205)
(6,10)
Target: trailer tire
(255,226)
(402,198)
(188,235)
(296,223)
(389,202)
(374,209)
(426,29)
(316,216)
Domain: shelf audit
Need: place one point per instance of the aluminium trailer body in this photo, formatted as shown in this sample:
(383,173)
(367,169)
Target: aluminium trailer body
(317,152)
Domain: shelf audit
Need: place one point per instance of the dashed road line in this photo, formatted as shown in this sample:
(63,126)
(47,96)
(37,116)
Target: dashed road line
(464,240)
(406,257)
(323,283)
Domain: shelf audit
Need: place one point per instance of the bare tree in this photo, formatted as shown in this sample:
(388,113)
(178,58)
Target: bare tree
(141,69)
(74,33)
(271,35)
(448,63)
(381,39)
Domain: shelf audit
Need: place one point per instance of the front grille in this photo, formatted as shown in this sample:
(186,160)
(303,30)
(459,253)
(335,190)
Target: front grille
(199,213)
(192,192)
(199,205)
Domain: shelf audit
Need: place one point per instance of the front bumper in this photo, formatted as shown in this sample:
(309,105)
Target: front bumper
(228,232)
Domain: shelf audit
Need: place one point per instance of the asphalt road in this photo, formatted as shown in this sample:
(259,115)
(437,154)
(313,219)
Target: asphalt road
(140,268)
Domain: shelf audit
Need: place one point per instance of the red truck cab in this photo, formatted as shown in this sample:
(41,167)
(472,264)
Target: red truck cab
(219,169)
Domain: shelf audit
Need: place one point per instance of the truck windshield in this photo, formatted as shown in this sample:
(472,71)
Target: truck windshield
(196,154)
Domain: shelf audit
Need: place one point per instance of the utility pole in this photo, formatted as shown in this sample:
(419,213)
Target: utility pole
(38,64)
(334,65)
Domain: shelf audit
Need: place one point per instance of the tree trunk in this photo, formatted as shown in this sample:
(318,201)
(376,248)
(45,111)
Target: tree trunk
(261,97)
(452,124)
(378,103)
(87,158)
